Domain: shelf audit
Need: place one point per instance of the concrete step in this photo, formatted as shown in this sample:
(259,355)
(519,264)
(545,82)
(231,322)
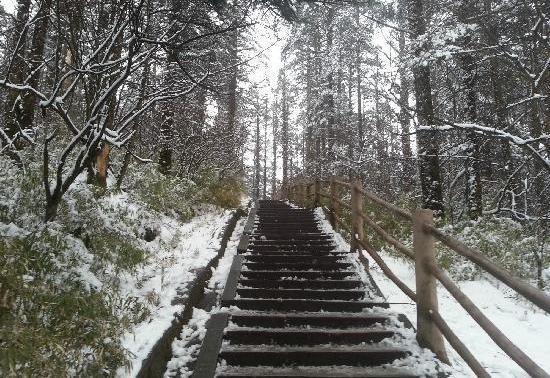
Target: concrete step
(244,355)
(340,320)
(295,274)
(297,266)
(304,336)
(302,305)
(294,258)
(308,284)
(337,371)
(344,295)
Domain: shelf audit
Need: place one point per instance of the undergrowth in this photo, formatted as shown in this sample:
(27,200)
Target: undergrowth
(62,311)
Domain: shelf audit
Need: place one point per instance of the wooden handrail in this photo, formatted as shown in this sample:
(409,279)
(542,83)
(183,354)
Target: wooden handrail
(536,296)
(381,263)
(389,238)
(394,209)
(449,334)
(343,183)
(493,331)
(531,293)
(459,346)
(423,229)
(342,204)
(323,194)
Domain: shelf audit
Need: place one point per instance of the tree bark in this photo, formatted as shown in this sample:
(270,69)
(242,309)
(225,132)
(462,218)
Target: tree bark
(275,131)
(358,78)
(37,59)
(473,172)
(17,71)
(427,143)
(284,129)
(404,92)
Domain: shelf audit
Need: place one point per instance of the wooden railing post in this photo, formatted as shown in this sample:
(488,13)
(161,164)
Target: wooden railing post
(333,205)
(428,335)
(303,198)
(356,218)
(317,193)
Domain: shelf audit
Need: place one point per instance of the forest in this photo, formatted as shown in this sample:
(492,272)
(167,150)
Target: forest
(131,129)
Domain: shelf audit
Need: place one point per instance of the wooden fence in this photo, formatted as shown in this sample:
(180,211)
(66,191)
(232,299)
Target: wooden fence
(431,326)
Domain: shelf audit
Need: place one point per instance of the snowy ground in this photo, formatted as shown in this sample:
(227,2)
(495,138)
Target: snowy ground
(167,274)
(186,348)
(526,326)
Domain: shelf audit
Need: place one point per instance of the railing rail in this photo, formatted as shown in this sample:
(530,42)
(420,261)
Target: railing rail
(430,323)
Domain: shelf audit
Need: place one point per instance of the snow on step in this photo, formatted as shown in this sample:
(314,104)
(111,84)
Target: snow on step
(308,371)
(298,308)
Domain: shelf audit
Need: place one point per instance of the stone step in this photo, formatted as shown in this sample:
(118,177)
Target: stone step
(304,336)
(302,253)
(302,305)
(292,248)
(293,258)
(297,266)
(244,355)
(337,371)
(340,320)
(295,274)
(344,295)
(291,242)
(306,284)
(302,236)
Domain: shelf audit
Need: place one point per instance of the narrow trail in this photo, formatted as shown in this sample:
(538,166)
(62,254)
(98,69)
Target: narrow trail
(297,307)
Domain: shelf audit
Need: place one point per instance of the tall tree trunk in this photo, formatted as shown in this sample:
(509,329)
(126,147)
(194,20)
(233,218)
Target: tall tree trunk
(358,78)
(284,131)
(16,46)
(37,59)
(310,118)
(167,124)
(102,157)
(427,144)
(469,79)
(329,101)
(275,131)
(266,119)
(232,86)
(257,168)
(404,91)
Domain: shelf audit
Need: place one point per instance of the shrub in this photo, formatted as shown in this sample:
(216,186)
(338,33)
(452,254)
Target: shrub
(223,192)
(166,194)
(51,319)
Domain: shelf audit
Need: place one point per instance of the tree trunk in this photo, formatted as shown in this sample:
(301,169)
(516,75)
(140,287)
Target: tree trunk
(329,100)
(266,119)
(427,144)
(404,91)
(16,47)
(360,131)
(275,131)
(37,57)
(284,131)
(473,175)
(257,168)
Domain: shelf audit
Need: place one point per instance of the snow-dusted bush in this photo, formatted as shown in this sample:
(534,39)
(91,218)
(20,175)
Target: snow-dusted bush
(225,192)
(166,194)
(70,289)
(515,246)
(54,318)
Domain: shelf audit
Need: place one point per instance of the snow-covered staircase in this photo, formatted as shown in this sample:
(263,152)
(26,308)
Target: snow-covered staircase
(297,307)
